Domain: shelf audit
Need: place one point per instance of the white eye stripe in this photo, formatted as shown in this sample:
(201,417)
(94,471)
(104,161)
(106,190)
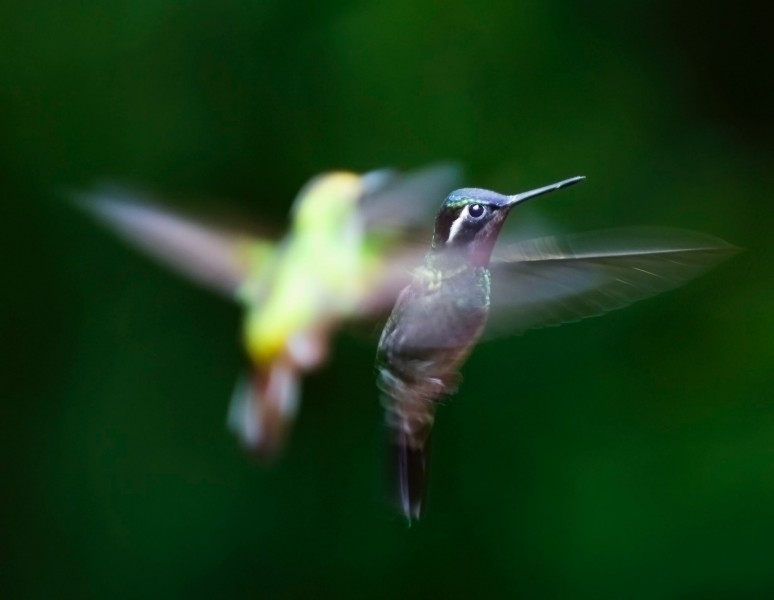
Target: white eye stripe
(456,226)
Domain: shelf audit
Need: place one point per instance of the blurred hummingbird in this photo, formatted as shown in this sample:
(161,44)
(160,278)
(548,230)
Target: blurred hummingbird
(462,287)
(346,256)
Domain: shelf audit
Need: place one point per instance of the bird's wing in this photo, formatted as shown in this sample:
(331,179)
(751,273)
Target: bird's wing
(398,212)
(216,258)
(393,201)
(394,275)
(553,280)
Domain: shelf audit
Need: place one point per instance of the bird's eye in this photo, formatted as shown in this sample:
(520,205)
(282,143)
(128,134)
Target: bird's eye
(476,211)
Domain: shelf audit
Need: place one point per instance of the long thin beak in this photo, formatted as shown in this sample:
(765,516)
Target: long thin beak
(519,198)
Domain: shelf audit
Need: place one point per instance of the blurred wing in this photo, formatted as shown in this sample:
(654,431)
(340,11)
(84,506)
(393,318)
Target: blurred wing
(401,202)
(401,210)
(217,259)
(553,280)
(395,275)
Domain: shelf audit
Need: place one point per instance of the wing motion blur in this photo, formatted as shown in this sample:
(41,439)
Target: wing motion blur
(553,280)
(402,206)
(399,202)
(216,258)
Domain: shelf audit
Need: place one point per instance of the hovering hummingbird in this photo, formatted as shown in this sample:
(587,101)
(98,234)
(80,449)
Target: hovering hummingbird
(346,256)
(442,313)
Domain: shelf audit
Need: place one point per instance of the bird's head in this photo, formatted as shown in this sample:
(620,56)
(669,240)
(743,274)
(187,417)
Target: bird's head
(470,219)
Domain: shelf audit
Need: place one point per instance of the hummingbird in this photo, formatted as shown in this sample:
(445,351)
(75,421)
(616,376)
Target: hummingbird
(466,287)
(346,256)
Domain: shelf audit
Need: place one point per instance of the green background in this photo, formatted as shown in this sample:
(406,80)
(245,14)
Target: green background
(625,457)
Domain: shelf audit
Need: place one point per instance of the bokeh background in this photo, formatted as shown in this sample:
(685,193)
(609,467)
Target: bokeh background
(628,456)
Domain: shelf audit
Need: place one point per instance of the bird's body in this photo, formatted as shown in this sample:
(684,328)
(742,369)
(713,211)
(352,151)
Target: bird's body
(434,326)
(315,279)
(418,367)
(440,316)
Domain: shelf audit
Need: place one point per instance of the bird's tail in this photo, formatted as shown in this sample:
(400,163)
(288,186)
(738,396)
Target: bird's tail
(409,457)
(263,408)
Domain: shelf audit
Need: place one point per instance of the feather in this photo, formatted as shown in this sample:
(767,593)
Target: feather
(553,280)
(215,258)
(411,200)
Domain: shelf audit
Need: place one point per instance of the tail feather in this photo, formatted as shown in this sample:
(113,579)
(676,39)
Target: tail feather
(410,450)
(263,408)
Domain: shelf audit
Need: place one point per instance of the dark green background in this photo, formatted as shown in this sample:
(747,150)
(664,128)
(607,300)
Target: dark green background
(625,457)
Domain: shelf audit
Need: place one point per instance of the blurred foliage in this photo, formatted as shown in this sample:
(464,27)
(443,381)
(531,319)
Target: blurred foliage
(630,456)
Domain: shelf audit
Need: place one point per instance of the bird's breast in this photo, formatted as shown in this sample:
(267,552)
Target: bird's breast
(433,328)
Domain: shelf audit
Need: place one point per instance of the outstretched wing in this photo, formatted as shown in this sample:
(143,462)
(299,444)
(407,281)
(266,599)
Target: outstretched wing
(216,258)
(553,280)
